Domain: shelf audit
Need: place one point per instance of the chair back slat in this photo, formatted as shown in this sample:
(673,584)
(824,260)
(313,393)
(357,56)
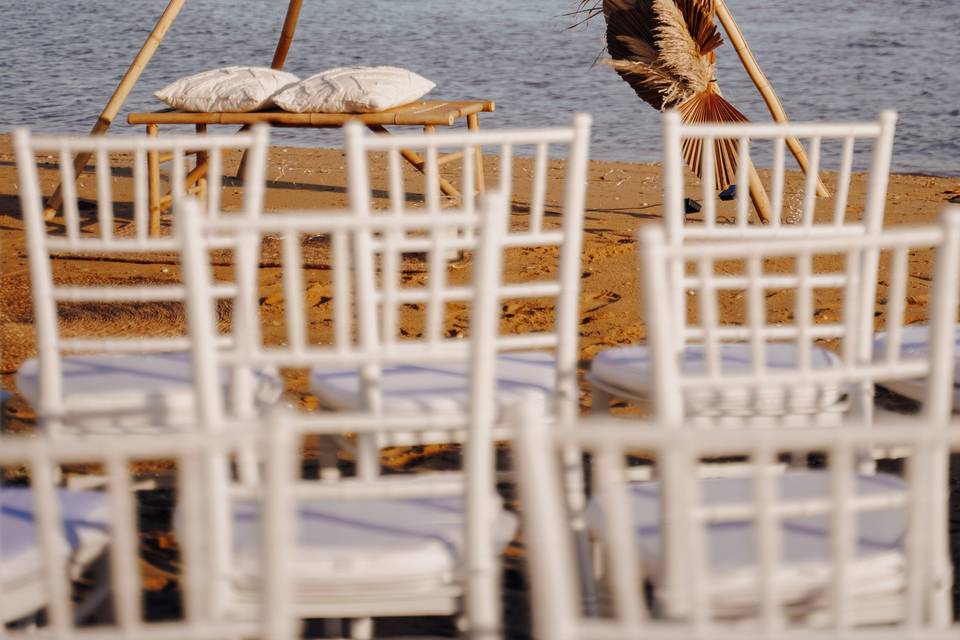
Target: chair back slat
(810,184)
(141,205)
(104,195)
(70,212)
(294,291)
(843,181)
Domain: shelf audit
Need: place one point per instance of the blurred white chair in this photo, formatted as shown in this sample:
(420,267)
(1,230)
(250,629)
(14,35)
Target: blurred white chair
(875,565)
(118,382)
(711,391)
(367,545)
(801,554)
(50,536)
(525,362)
(625,372)
(915,340)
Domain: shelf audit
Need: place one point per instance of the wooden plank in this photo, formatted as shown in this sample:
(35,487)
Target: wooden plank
(432,112)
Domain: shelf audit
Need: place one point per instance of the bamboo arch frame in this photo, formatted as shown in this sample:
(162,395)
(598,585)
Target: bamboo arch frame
(174,7)
(140,62)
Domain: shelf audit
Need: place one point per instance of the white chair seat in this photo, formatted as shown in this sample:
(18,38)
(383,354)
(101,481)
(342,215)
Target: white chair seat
(410,388)
(805,572)
(126,390)
(379,549)
(85,535)
(915,344)
(627,371)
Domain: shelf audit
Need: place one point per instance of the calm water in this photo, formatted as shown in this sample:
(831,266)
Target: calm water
(844,59)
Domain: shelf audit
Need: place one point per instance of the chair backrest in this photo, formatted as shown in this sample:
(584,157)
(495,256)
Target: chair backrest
(52,535)
(676,536)
(726,287)
(702,140)
(571,142)
(49,290)
(537,231)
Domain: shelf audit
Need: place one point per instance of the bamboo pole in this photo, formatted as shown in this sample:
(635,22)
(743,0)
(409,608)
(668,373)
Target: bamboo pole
(120,94)
(153,165)
(286,35)
(279,59)
(763,86)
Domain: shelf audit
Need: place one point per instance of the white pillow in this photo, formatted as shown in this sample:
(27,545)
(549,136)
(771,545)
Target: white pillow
(354,90)
(231,89)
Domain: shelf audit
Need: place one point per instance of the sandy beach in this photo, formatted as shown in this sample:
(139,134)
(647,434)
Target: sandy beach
(621,197)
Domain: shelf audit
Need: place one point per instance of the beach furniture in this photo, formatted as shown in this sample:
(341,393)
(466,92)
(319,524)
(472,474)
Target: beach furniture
(764,554)
(428,114)
(70,560)
(732,548)
(88,379)
(915,339)
(366,545)
(626,372)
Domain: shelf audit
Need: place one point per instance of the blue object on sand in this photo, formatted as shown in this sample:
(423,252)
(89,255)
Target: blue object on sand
(729,193)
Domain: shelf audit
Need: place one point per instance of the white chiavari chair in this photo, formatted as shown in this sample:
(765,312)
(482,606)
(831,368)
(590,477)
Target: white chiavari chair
(915,339)
(625,372)
(696,387)
(118,381)
(70,560)
(541,354)
(367,545)
(884,576)
(525,360)
(803,554)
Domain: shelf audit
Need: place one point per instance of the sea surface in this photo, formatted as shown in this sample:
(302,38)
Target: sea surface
(828,59)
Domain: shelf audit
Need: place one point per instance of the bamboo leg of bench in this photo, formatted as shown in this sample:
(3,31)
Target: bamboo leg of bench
(473,124)
(202,161)
(153,181)
(243,156)
(418,163)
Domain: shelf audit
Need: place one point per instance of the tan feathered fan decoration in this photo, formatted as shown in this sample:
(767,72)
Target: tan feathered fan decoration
(664,49)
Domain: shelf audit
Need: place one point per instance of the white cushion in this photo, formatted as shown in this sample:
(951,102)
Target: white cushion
(354,90)
(84,535)
(412,388)
(915,344)
(231,89)
(124,390)
(388,548)
(804,571)
(628,369)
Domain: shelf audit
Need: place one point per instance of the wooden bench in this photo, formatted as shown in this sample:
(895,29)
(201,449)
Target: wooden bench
(428,114)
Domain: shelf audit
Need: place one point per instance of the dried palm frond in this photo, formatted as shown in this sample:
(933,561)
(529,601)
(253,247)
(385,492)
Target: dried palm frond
(710,106)
(664,50)
(679,52)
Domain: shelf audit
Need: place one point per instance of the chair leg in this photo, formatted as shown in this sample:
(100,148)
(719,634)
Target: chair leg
(361,629)
(473,124)
(601,402)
